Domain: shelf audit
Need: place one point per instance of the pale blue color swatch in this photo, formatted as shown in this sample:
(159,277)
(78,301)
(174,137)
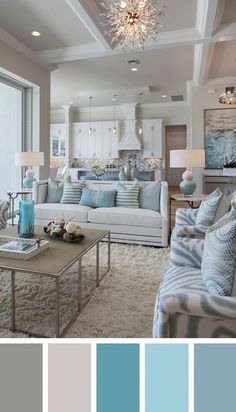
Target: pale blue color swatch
(215,367)
(117,378)
(166,367)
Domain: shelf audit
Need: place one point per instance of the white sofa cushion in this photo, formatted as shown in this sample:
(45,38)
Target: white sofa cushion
(50,211)
(126,216)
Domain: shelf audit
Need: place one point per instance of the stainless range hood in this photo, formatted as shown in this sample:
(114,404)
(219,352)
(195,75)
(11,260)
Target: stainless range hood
(130,140)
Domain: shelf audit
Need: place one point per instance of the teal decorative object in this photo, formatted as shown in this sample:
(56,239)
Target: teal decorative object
(187,186)
(26,219)
(29,179)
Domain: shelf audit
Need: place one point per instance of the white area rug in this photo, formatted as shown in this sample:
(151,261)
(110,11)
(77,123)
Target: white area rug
(122,306)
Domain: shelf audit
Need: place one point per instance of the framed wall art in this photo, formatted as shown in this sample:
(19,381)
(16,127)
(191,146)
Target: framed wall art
(220,136)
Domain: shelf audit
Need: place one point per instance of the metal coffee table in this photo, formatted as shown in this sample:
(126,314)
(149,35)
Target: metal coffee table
(53,263)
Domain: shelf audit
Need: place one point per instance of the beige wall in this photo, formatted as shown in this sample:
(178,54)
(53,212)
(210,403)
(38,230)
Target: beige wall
(17,65)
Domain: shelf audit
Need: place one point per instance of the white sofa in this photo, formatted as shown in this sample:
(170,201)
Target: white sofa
(138,226)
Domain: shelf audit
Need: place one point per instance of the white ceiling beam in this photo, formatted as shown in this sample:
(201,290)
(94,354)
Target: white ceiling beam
(203,54)
(176,38)
(209,16)
(90,15)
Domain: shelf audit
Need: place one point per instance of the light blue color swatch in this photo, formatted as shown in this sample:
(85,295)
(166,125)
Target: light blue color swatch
(215,367)
(166,367)
(117,378)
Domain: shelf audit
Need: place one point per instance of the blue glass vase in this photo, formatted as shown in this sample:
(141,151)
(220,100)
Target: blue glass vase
(26,219)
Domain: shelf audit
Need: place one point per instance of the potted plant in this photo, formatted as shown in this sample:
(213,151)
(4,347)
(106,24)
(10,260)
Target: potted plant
(229,165)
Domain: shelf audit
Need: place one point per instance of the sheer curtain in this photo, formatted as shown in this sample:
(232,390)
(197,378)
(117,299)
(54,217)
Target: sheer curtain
(11,125)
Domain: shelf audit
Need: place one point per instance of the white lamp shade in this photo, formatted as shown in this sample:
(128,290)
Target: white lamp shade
(29,158)
(187,158)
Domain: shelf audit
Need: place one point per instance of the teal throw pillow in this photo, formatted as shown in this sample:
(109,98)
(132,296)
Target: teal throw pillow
(207,210)
(55,191)
(127,197)
(98,198)
(218,261)
(72,193)
(149,196)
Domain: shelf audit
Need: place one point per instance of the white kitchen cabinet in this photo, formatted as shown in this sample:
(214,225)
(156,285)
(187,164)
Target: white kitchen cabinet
(101,144)
(80,143)
(57,140)
(153,138)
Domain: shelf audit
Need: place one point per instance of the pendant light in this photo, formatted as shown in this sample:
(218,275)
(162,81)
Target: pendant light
(114,113)
(140,128)
(90,116)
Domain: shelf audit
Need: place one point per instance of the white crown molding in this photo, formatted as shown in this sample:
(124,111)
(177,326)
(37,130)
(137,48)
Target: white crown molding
(221,81)
(90,15)
(225,32)
(81,52)
(21,48)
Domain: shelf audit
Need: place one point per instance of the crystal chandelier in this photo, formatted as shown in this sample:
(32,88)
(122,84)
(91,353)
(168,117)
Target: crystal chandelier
(132,22)
(229,97)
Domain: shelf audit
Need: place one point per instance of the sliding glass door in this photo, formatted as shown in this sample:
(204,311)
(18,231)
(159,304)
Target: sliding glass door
(12,125)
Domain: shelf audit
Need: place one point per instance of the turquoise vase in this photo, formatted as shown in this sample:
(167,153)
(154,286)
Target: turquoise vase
(26,219)
(187,187)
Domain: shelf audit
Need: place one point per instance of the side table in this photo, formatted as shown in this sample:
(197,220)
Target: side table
(178,197)
(12,196)
(190,200)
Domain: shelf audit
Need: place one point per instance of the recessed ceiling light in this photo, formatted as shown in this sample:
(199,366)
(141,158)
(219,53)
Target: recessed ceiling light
(164,95)
(70,102)
(35,33)
(133,64)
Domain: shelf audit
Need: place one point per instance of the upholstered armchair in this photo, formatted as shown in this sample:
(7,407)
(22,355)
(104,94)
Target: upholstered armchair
(184,307)
(4,212)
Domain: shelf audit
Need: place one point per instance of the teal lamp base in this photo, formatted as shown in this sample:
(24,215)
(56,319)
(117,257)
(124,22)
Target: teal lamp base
(187,186)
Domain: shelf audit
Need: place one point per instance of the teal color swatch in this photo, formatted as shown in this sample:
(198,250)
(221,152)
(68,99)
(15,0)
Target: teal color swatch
(166,370)
(215,367)
(117,378)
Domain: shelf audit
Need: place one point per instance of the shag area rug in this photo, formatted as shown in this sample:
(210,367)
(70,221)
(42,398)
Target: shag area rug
(122,306)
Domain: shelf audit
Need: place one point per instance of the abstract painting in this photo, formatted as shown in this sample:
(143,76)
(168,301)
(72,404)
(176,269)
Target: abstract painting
(220,136)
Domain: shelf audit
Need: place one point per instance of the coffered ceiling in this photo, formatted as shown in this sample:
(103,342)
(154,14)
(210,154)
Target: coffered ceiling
(198,43)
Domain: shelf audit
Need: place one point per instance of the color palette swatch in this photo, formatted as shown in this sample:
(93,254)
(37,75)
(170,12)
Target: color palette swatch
(20,378)
(166,373)
(214,377)
(69,378)
(115,377)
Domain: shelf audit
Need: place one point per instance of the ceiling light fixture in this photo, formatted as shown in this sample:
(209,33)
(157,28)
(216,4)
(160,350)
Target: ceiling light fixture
(140,127)
(90,116)
(132,22)
(164,96)
(133,64)
(229,97)
(35,33)
(114,113)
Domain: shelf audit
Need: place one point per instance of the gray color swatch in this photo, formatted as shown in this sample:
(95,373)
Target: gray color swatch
(69,378)
(20,378)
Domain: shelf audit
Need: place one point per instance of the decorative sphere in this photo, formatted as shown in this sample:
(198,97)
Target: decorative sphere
(71,228)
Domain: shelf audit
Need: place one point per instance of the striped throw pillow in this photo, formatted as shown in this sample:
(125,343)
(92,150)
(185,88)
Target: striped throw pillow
(72,193)
(127,197)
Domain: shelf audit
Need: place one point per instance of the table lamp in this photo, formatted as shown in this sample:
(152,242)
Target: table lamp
(29,159)
(187,158)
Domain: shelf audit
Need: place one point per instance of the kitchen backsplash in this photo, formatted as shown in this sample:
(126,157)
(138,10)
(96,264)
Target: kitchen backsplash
(125,155)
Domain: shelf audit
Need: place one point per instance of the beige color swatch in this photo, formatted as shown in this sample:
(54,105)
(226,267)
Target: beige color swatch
(69,378)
